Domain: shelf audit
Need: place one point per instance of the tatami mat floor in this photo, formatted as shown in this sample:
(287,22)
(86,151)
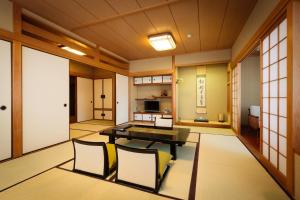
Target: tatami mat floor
(226,170)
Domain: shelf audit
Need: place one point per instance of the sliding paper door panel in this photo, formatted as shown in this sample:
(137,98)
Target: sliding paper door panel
(121,99)
(274,97)
(5,100)
(97,93)
(84,99)
(45,82)
(107,91)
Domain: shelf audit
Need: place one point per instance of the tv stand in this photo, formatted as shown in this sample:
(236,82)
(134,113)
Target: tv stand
(151,87)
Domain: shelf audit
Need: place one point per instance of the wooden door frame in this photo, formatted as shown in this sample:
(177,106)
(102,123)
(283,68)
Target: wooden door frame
(284,8)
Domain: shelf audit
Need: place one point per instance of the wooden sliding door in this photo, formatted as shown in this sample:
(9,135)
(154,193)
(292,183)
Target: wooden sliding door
(84,99)
(103,98)
(274,127)
(45,82)
(5,100)
(121,99)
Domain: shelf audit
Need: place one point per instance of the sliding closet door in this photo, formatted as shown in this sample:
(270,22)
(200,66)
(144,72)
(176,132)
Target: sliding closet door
(121,99)
(5,100)
(84,99)
(274,98)
(103,92)
(45,80)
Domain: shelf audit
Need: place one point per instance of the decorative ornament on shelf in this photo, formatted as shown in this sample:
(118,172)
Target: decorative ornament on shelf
(164,93)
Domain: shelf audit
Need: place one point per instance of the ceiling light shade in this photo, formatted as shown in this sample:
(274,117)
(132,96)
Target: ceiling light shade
(69,49)
(162,42)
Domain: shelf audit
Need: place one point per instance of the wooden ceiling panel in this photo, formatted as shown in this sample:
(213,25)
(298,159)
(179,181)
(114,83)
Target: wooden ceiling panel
(71,9)
(99,8)
(43,9)
(145,3)
(235,18)
(123,26)
(122,6)
(139,42)
(114,39)
(187,23)
(211,14)
(108,44)
(163,21)
(140,24)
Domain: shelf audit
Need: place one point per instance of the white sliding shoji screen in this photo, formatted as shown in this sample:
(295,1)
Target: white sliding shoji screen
(274,97)
(236,76)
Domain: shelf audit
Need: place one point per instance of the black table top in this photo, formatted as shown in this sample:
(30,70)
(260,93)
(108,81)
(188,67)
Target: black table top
(174,135)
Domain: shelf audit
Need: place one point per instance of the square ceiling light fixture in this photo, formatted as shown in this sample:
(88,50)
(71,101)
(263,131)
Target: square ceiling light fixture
(69,49)
(162,42)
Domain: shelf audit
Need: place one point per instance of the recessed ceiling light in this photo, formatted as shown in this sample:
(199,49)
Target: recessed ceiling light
(189,35)
(69,49)
(162,42)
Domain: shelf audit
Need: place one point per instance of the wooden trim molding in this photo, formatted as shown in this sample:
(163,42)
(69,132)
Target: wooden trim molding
(174,75)
(296,74)
(152,73)
(273,17)
(17,140)
(204,63)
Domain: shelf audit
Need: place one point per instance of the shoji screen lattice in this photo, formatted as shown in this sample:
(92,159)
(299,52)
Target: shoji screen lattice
(274,97)
(236,74)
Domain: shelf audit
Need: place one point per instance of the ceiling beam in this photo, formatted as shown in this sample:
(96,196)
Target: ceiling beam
(96,22)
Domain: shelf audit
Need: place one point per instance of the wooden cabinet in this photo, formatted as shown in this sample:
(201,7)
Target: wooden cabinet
(167,79)
(152,87)
(138,80)
(156,79)
(138,117)
(147,80)
(147,117)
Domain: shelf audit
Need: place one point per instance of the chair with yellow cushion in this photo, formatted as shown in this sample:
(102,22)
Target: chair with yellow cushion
(144,168)
(94,158)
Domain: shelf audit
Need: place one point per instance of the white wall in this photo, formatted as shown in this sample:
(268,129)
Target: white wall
(152,64)
(203,57)
(6,15)
(261,11)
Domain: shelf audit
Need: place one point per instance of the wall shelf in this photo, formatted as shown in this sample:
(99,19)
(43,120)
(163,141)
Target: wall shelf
(154,98)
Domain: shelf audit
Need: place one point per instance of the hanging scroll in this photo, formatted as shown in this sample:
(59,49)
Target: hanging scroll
(201,91)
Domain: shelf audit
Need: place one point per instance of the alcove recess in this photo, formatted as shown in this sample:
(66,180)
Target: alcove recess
(151,87)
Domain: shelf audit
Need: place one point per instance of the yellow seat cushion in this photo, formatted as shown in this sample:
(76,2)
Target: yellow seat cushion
(163,159)
(112,157)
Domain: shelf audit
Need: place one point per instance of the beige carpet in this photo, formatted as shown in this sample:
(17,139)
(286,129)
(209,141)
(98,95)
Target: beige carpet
(227,170)
(60,184)
(207,130)
(14,171)
(79,133)
(178,180)
(88,127)
(99,122)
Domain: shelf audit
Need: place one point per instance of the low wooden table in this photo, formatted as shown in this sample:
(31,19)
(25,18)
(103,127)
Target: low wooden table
(173,137)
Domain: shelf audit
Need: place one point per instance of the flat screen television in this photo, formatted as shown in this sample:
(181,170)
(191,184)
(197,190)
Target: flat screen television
(152,106)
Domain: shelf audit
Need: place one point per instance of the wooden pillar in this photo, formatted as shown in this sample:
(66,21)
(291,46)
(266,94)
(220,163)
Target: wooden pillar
(17,148)
(17,99)
(174,90)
